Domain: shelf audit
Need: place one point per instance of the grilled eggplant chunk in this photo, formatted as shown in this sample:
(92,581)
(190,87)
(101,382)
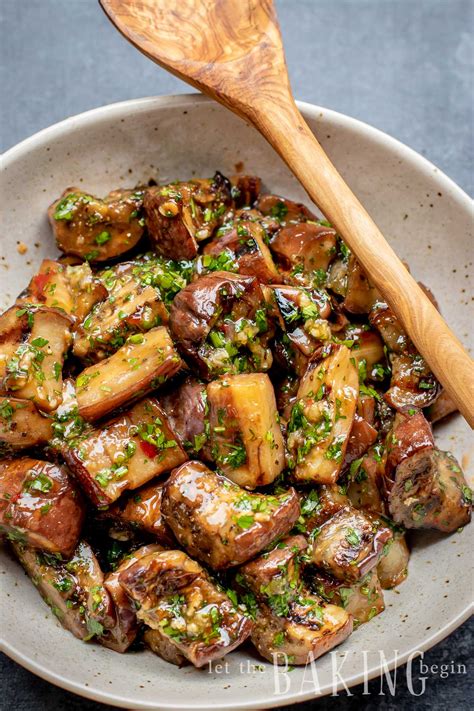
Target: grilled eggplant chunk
(217,522)
(349,544)
(360,295)
(40,505)
(74,289)
(362,436)
(366,484)
(363,600)
(305,251)
(245,189)
(321,419)
(302,315)
(131,308)
(180,215)
(124,453)
(178,600)
(430,491)
(141,511)
(124,607)
(409,434)
(76,594)
(244,245)
(246,438)
(33,343)
(186,407)
(286,212)
(220,324)
(318,505)
(412,383)
(292,625)
(393,566)
(21,425)
(144,363)
(96,229)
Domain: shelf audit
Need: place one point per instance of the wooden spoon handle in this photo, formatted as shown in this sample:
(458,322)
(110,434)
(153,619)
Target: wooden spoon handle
(284,127)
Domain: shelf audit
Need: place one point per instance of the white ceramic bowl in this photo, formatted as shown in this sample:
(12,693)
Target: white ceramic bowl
(423,214)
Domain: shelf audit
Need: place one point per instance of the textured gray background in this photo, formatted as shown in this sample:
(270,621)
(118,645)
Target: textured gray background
(404,66)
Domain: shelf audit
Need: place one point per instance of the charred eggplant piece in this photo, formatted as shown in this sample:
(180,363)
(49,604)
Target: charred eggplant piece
(430,491)
(186,407)
(363,600)
(305,251)
(302,315)
(76,594)
(180,215)
(141,511)
(286,212)
(144,363)
(21,425)
(220,324)
(362,436)
(393,566)
(365,484)
(245,251)
(321,419)
(245,434)
(412,383)
(124,608)
(245,189)
(96,229)
(291,624)
(349,544)
(360,294)
(33,343)
(124,453)
(217,522)
(410,433)
(74,289)
(131,308)
(40,505)
(177,599)
(318,505)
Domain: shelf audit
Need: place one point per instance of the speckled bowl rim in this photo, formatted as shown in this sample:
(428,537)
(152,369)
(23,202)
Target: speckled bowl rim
(125,108)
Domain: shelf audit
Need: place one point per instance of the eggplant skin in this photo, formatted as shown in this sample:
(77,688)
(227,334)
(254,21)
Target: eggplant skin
(96,229)
(21,425)
(292,626)
(349,544)
(245,245)
(40,505)
(133,371)
(227,304)
(430,491)
(410,433)
(141,511)
(124,453)
(75,593)
(180,215)
(219,523)
(185,404)
(124,607)
(176,596)
(362,600)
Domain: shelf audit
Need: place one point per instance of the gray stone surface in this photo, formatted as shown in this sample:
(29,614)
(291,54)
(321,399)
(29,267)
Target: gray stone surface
(404,66)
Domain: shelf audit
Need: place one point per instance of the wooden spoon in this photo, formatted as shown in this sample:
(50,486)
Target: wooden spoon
(232,50)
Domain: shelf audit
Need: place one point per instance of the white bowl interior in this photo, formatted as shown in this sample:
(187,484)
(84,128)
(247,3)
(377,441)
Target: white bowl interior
(428,221)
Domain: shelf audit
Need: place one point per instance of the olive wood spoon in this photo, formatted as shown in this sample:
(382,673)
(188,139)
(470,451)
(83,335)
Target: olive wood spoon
(232,50)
